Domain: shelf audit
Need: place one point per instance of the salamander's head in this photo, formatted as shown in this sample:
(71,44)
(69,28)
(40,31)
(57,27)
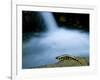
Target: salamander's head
(62,56)
(57,57)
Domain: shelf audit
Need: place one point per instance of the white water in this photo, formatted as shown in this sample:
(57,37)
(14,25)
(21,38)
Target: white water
(57,41)
(49,20)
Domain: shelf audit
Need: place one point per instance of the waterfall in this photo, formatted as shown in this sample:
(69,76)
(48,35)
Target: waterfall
(43,50)
(49,20)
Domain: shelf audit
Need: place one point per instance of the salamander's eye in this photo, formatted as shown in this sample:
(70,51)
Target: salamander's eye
(56,57)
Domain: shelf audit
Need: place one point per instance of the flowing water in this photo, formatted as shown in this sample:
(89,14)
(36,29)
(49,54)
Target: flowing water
(56,41)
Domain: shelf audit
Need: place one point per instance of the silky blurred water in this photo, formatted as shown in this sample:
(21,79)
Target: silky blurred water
(56,41)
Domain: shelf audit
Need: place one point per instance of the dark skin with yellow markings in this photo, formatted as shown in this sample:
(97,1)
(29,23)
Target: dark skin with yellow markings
(67,58)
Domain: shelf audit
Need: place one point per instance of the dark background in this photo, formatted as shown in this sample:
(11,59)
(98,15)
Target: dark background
(33,24)
(32,21)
